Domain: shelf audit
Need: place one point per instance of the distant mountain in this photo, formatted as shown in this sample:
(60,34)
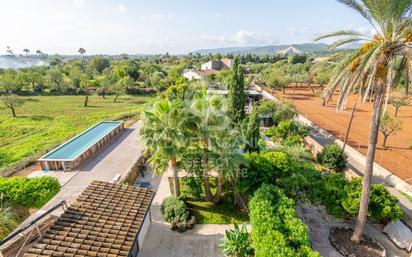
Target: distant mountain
(263,50)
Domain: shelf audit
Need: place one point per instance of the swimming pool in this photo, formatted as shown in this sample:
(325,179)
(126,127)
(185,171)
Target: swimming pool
(75,151)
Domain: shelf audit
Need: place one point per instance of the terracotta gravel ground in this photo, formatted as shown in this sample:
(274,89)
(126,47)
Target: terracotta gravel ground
(397,157)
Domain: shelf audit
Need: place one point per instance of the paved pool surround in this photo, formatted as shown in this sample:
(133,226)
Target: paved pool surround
(82,147)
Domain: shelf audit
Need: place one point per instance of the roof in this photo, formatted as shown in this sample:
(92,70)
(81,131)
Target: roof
(103,221)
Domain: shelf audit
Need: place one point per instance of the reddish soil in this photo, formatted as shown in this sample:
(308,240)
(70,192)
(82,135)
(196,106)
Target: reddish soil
(397,157)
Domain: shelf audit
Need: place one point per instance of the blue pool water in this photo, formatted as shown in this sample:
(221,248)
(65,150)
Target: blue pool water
(71,149)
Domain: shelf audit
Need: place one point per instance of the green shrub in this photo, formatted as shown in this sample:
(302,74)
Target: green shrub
(29,192)
(334,193)
(289,128)
(297,153)
(174,209)
(176,213)
(236,242)
(273,218)
(383,207)
(263,168)
(304,185)
(192,186)
(332,157)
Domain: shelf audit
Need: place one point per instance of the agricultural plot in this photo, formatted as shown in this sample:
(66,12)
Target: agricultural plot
(46,121)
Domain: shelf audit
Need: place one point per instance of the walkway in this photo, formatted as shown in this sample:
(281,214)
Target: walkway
(201,241)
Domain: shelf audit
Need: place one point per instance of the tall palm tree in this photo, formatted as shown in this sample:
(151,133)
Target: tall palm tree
(39,53)
(167,127)
(27,51)
(211,116)
(82,51)
(372,68)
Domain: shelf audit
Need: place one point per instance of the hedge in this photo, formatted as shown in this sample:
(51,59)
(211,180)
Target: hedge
(276,228)
(264,168)
(29,192)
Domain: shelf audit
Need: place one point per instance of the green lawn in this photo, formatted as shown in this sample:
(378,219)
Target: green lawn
(45,121)
(211,213)
(222,213)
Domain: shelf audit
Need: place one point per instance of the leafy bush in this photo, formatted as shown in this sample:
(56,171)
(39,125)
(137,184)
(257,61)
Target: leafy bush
(263,168)
(297,153)
(289,128)
(305,185)
(273,218)
(334,193)
(383,207)
(236,242)
(192,186)
(175,211)
(279,111)
(332,157)
(29,192)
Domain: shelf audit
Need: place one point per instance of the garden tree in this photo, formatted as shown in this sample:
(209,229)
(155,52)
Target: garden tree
(211,118)
(75,75)
(35,78)
(99,63)
(389,126)
(398,102)
(226,158)
(237,95)
(55,60)
(372,62)
(8,82)
(167,127)
(12,101)
(84,84)
(252,131)
(120,86)
(55,79)
(82,51)
(27,51)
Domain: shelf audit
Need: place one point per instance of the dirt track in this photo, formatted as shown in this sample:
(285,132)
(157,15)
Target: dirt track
(397,157)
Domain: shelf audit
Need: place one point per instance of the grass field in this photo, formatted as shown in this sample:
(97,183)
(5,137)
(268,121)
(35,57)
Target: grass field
(46,121)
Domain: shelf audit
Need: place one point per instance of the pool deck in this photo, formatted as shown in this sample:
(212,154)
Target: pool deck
(114,159)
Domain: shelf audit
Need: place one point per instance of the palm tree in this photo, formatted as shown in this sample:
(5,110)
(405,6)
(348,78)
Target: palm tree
(167,128)
(211,116)
(373,68)
(27,51)
(82,51)
(39,53)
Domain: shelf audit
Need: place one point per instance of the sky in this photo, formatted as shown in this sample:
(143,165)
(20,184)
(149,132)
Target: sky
(160,26)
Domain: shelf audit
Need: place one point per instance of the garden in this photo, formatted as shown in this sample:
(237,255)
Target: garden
(222,172)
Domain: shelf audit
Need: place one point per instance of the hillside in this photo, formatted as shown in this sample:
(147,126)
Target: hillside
(263,50)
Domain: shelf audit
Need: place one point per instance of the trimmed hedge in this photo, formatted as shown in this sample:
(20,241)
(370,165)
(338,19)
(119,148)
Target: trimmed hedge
(264,168)
(29,192)
(277,230)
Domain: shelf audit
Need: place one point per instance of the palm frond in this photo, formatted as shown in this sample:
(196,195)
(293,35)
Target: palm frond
(342,33)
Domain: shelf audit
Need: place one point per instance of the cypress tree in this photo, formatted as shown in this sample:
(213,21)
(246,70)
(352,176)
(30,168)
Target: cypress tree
(253,131)
(237,95)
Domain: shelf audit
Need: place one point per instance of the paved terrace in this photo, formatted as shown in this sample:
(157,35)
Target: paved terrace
(114,159)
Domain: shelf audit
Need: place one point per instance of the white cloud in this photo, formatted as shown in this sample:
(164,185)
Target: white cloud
(121,8)
(241,37)
(79,3)
(158,17)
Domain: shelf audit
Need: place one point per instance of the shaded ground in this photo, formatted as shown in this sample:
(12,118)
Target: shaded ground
(396,157)
(320,223)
